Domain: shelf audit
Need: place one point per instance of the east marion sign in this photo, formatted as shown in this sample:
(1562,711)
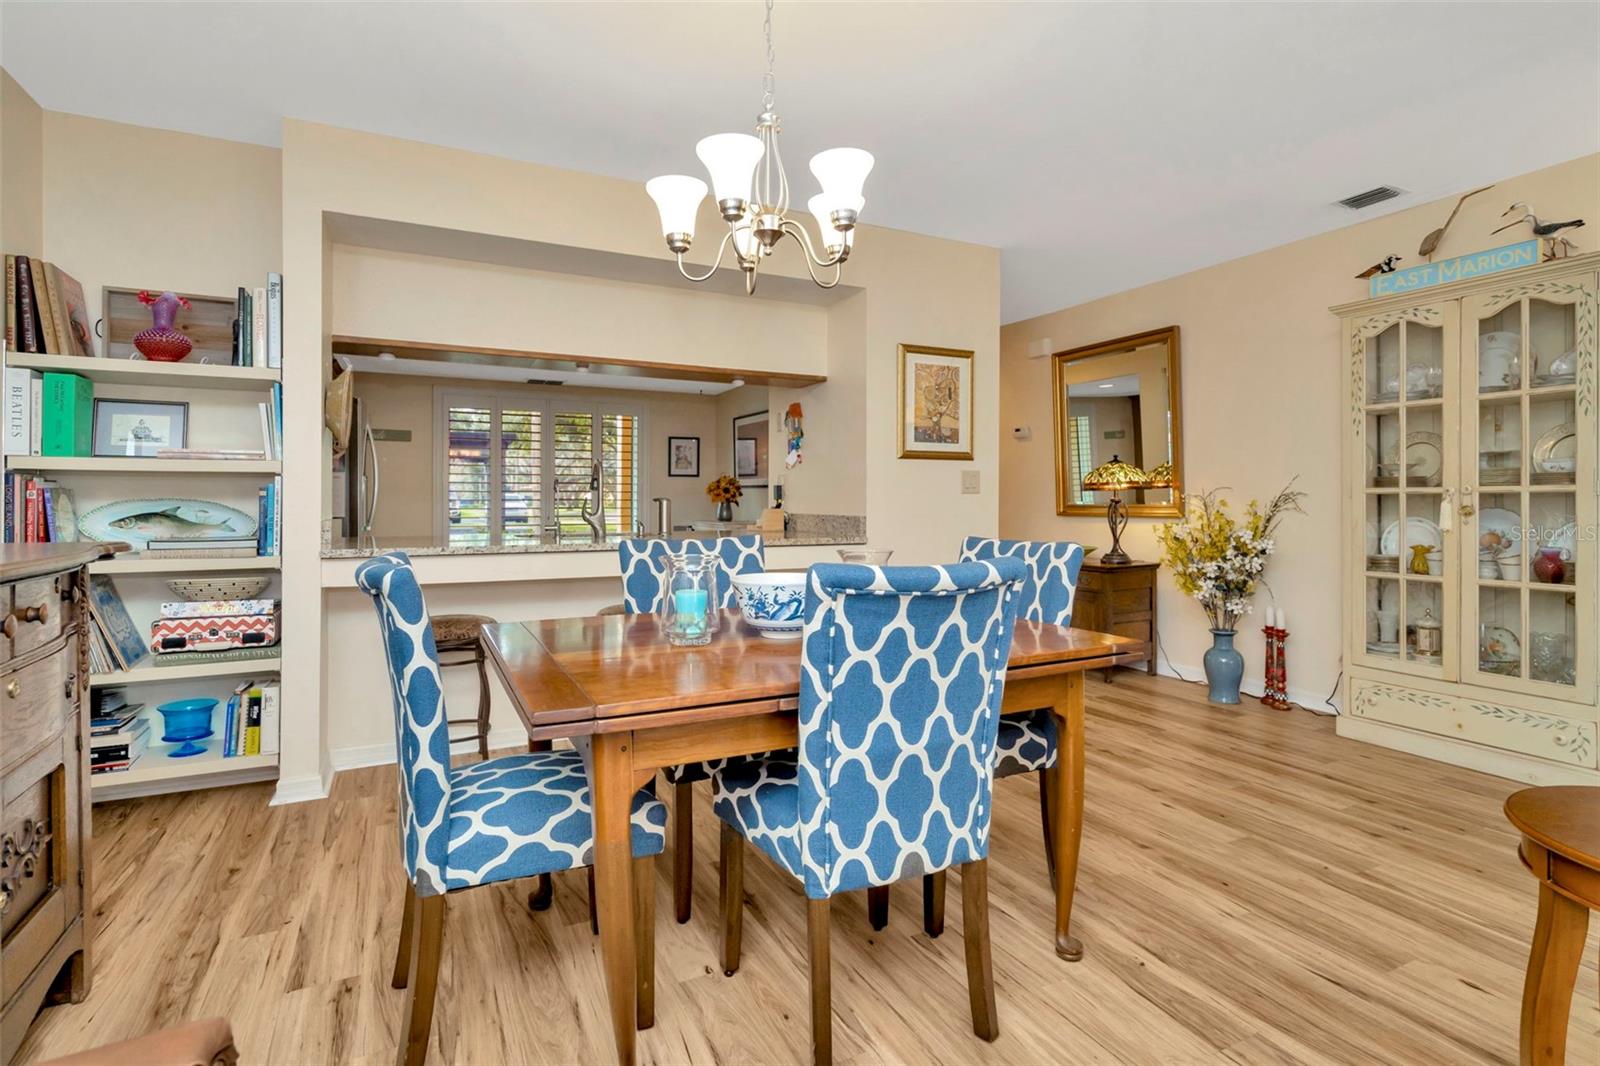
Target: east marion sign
(1475,265)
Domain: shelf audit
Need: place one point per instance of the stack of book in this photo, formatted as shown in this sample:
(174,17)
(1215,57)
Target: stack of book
(48,413)
(115,643)
(250,723)
(258,325)
(202,547)
(38,511)
(45,309)
(118,734)
(269,517)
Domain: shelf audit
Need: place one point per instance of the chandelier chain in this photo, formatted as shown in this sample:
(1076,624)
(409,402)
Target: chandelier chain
(767,82)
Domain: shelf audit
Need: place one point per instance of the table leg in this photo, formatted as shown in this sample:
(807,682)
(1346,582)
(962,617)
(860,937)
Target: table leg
(1066,796)
(1558,940)
(611,789)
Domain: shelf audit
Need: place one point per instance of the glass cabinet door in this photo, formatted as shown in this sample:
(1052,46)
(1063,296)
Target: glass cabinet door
(1402,365)
(1529,480)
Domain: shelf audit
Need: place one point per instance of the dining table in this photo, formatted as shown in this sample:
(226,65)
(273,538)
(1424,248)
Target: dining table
(633,703)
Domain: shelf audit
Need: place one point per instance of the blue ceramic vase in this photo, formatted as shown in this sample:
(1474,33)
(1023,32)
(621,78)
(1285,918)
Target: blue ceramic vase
(1224,667)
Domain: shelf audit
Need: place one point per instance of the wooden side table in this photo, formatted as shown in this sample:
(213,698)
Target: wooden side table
(1560,828)
(1118,599)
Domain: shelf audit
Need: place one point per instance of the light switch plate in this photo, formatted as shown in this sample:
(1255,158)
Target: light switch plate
(969,482)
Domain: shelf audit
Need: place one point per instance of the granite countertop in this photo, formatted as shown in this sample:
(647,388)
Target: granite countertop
(347,548)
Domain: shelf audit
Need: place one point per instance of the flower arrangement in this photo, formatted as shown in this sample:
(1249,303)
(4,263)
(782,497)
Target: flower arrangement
(725,489)
(1218,559)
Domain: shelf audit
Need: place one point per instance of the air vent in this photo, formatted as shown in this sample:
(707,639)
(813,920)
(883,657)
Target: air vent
(1362,200)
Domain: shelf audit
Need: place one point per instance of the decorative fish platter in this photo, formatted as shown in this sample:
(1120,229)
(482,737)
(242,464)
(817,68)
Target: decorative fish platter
(140,521)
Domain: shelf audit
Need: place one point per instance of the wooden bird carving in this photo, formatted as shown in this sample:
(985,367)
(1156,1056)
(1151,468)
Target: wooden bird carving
(1431,242)
(1382,266)
(1540,228)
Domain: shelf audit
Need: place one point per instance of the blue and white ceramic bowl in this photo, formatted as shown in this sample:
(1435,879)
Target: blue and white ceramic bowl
(773,603)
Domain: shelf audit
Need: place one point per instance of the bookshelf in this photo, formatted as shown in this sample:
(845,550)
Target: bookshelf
(144,372)
(97,464)
(223,402)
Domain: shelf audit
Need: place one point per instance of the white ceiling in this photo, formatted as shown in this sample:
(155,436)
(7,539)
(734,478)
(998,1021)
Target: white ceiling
(1100,146)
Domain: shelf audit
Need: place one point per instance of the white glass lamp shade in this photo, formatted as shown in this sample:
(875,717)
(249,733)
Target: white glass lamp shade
(842,172)
(831,237)
(731,160)
(677,197)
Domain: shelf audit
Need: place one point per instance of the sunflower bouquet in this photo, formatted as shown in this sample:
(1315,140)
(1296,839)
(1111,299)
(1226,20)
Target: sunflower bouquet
(1218,559)
(725,489)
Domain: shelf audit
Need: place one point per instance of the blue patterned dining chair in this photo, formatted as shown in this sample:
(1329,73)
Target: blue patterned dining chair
(902,670)
(508,817)
(644,591)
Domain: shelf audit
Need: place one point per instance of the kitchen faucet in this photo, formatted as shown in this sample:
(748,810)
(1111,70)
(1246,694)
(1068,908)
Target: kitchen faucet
(593,518)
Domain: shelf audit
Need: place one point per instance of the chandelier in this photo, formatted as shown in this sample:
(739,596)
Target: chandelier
(752,194)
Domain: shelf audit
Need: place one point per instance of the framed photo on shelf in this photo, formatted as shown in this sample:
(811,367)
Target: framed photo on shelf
(683,456)
(139,428)
(935,401)
(750,449)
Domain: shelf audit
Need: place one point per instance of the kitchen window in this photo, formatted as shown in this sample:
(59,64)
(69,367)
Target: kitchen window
(518,469)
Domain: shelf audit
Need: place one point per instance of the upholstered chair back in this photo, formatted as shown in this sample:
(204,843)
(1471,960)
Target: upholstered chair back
(419,716)
(902,671)
(1052,573)
(644,567)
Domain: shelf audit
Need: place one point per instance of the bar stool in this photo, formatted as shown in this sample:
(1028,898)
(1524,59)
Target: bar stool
(1560,827)
(459,636)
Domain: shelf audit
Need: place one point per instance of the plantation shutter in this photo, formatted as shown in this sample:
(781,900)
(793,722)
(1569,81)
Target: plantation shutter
(469,475)
(619,456)
(521,451)
(571,454)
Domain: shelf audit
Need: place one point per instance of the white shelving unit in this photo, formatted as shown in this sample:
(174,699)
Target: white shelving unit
(219,395)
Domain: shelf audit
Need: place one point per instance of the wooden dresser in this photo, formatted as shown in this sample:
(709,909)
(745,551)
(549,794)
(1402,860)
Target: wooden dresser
(1118,599)
(44,782)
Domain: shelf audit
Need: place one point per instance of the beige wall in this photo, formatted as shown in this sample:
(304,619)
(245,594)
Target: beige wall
(1262,382)
(21,170)
(134,207)
(916,289)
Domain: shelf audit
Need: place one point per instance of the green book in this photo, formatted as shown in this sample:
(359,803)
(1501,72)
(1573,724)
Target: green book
(67,419)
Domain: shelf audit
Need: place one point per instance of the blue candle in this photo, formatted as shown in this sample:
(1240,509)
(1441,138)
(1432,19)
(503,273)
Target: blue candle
(690,605)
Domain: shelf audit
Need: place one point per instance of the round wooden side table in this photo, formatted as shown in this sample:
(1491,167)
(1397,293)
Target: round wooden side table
(1560,828)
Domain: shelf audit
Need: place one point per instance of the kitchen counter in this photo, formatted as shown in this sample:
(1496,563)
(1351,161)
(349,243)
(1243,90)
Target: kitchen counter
(347,548)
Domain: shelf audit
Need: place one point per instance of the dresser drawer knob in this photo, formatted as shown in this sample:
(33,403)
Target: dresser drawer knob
(39,614)
(13,688)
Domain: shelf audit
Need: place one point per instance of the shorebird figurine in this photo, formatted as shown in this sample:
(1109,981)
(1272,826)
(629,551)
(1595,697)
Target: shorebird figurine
(1558,248)
(1431,241)
(1540,229)
(1382,266)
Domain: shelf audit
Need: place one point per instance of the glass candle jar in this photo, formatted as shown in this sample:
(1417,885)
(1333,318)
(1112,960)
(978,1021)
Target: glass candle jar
(692,599)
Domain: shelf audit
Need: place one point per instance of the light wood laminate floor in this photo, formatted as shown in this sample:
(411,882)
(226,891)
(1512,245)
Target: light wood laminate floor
(1253,890)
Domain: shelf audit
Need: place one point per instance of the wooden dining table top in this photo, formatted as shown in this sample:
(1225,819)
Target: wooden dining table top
(571,671)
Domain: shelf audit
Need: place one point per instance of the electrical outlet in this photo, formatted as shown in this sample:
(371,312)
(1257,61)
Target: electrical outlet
(969,482)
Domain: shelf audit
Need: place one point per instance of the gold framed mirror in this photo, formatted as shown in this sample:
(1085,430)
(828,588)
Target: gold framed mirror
(1120,397)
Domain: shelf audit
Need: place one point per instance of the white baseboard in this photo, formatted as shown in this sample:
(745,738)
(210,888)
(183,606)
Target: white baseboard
(360,755)
(1309,700)
(300,789)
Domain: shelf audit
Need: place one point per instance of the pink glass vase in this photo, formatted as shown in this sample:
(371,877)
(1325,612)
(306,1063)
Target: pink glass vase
(162,343)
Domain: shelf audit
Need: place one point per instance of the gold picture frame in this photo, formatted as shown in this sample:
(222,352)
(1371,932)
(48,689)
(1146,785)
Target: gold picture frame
(942,377)
(1172,507)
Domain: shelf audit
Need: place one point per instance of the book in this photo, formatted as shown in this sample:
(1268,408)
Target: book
(217,608)
(269,719)
(47,499)
(258,322)
(245,552)
(74,311)
(111,767)
(228,655)
(264,410)
(68,414)
(49,339)
(246,326)
(112,614)
(123,720)
(210,453)
(66,514)
(137,726)
(30,512)
(18,410)
(35,414)
(252,722)
(163,544)
(27,315)
(274,320)
(11,303)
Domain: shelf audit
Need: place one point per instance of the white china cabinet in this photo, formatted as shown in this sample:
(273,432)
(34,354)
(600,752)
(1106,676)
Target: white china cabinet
(1471,500)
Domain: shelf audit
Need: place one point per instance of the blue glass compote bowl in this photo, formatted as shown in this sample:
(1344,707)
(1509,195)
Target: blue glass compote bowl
(187,721)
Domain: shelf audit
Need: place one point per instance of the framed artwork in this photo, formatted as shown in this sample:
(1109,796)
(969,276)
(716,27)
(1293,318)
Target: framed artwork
(750,452)
(935,401)
(139,427)
(683,456)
